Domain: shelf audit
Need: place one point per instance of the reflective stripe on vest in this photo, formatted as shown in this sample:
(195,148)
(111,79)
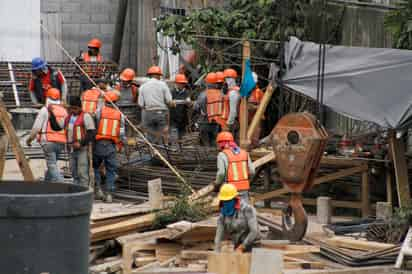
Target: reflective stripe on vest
(90,99)
(78,128)
(109,125)
(237,172)
(214,104)
(93,70)
(56,136)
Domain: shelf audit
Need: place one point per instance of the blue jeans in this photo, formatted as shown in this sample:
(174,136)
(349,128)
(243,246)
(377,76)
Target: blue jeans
(105,152)
(79,163)
(52,152)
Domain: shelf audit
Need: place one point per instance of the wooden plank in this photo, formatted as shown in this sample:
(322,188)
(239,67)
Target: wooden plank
(229,263)
(3,149)
(195,254)
(243,109)
(270,157)
(351,243)
(324,179)
(365,194)
(397,149)
(15,144)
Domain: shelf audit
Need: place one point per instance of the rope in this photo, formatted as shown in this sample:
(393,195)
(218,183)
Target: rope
(141,135)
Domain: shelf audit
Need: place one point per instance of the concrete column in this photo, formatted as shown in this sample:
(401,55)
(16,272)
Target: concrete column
(324,210)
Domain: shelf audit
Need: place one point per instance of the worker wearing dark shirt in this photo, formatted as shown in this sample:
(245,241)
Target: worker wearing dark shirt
(179,114)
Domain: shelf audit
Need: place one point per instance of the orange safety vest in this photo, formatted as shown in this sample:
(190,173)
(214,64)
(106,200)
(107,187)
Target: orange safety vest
(93,70)
(79,131)
(226,104)
(256,96)
(237,172)
(90,99)
(55,136)
(214,106)
(134,88)
(109,125)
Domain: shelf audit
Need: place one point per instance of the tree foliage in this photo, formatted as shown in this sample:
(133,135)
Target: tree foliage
(399,23)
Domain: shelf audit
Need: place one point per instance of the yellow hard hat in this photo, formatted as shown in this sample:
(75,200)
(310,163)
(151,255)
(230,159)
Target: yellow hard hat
(227,192)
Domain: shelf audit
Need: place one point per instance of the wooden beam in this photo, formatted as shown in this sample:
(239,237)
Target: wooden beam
(324,179)
(244,112)
(388,186)
(260,111)
(365,194)
(15,144)
(270,157)
(4,143)
(348,242)
(397,149)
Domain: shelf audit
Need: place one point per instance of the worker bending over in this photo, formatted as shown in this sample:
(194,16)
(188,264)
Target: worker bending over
(43,78)
(179,115)
(154,99)
(234,165)
(49,129)
(231,102)
(81,132)
(236,219)
(110,135)
(210,106)
(93,66)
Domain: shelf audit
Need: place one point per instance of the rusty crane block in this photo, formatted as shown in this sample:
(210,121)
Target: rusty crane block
(299,141)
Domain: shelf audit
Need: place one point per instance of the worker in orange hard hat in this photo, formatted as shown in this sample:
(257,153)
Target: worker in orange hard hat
(231,101)
(93,64)
(220,79)
(110,134)
(209,104)
(155,99)
(179,115)
(49,130)
(128,87)
(234,165)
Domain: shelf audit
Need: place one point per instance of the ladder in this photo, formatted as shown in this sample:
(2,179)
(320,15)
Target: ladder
(406,249)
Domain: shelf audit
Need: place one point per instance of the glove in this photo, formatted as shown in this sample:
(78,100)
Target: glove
(28,142)
(240,249)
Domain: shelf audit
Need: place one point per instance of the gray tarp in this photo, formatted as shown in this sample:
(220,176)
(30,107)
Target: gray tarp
(370,84)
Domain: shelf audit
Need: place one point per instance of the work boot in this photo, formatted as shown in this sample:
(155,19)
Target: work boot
(108,199)
(99,194)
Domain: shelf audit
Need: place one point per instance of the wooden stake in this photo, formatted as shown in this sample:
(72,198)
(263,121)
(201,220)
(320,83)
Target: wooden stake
(3,149)
(397,149)
(15,144)
(260,111)
(244,112)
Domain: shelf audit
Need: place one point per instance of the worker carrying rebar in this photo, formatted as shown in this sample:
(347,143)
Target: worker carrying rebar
(49,130)
(254,100)
(110,137)
(92,64)
(234,165)
(179,115)
(81,132)
(209,104)
(155,99)
(236,219)
(231,102)
(43,78)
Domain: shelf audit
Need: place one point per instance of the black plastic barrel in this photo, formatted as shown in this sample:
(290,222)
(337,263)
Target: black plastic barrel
(44,228)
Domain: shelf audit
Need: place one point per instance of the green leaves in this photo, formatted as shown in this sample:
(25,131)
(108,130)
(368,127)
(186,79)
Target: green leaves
(399,23)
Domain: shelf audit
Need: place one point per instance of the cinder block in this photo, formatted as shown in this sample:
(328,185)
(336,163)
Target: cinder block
(70,7)
(89,29)
(103,6)
(80,18)
(66,18)
(107,28)
(70,31)
(99,18)
(46,7)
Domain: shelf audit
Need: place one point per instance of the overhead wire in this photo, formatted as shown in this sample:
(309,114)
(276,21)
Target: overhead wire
(141,135)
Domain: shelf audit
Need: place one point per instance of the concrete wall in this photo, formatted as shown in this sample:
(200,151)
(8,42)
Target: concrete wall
(19,30)
(82,20)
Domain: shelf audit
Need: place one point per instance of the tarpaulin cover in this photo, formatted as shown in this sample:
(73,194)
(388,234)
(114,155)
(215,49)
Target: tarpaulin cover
(370,84)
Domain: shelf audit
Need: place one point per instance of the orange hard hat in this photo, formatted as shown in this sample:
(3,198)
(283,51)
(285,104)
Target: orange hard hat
(220,77)
(181,79)
(53,93)
(127,74)
(154,70)
(111,96)
(211,78)
(94,43)
(224,136)
(230,73)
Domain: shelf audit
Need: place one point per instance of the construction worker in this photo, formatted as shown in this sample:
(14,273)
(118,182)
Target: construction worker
(234,165)
(127,87)
(179,115)
(81,131)
(253,103)
(231,102)
(110,136)
(49,129)
(210,105)
(220,80)
(43,78)
(92,64)
(154,99)
(236,219)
